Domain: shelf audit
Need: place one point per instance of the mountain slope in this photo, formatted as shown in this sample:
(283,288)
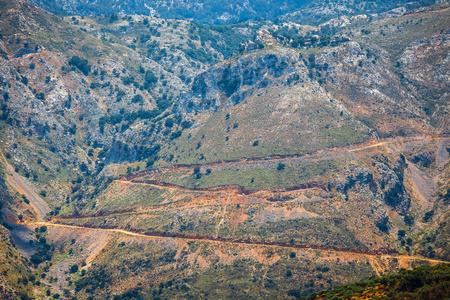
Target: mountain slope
(305,156)
(230,11)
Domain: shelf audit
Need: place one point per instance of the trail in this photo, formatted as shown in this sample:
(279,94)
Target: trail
(221,219)
(370,253)
(230,189)
(26,188)
(368,147)
(331,153)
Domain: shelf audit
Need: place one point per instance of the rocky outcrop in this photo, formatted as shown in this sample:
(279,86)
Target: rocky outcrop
(361,78)
(426,65)
(384,182)
(232,82)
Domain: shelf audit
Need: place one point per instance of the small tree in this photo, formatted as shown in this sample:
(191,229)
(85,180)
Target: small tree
(169,122)
(73,269)
(137,98)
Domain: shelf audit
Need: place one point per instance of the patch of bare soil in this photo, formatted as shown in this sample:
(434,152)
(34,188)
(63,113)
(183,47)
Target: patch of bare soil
(26,188)
(21,235)
(78,246)
(442,154)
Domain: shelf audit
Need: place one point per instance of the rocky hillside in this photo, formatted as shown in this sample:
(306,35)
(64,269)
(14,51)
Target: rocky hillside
(307,155)
(230,11)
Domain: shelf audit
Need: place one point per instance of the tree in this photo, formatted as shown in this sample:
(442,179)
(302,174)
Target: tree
(137,98)
(80,64)
(169,122)
(281,166)
(150,78)
(74,269)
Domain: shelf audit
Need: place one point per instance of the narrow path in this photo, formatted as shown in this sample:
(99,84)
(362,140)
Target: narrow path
(323,154)
(230,189)
(383,253)
(26,188)
(368,147)
(221,219)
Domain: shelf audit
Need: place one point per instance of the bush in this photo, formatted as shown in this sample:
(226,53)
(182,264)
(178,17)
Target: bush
(383,225)
(150,78)
(169,122)
(73,269)
(428,216)
(137,98)
(186,124)
(281,166)
(80,64)
(24,80)
(127,80)
(175,135)
(409,220)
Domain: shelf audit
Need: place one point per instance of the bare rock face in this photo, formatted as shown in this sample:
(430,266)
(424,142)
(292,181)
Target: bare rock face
(426,64)
(362,80)
(232,82)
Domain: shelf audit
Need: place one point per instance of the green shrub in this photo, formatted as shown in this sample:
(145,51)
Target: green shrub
(73,269)
(80,64)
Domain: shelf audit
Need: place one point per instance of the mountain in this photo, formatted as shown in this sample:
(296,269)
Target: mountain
(230,11)
(145,157)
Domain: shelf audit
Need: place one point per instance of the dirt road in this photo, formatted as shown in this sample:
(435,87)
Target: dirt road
(256,243)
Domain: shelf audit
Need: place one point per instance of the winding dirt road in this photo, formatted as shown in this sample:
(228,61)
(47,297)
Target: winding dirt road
(382,253)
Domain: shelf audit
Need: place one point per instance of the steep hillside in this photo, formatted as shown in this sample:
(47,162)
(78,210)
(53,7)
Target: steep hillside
(147,157)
